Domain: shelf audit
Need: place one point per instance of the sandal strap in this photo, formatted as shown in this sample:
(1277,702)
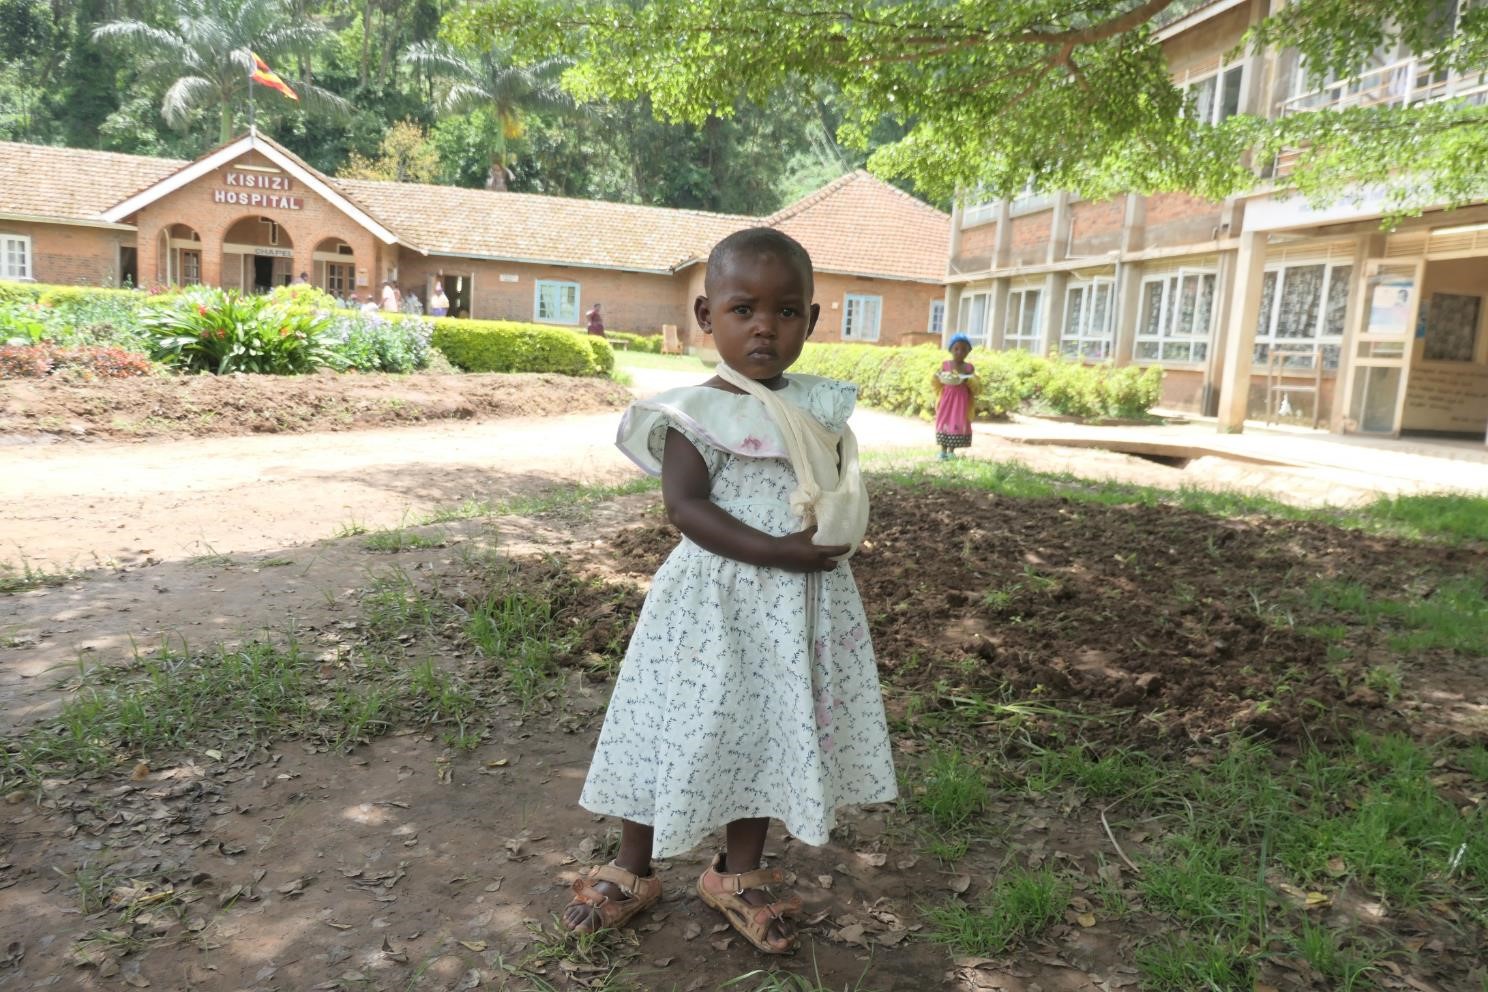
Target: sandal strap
(628,882)
(739,883)
(777,910)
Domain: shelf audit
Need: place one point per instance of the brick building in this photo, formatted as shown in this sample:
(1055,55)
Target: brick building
(250,215)
(1256,307)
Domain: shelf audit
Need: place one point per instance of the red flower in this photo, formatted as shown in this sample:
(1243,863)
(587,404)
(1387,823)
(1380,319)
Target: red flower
(283,331)
(201,308)
(221,332)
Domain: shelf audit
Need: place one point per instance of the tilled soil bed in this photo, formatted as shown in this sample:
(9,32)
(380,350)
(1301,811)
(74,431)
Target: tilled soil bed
(206,405)
(1180,626)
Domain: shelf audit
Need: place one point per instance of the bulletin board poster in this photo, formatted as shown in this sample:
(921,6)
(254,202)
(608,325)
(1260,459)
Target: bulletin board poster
(1390,306)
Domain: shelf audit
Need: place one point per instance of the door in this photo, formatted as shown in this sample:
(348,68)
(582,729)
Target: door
(1381,350)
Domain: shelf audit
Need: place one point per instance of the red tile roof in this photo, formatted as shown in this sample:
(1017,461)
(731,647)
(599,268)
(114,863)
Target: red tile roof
(856,224)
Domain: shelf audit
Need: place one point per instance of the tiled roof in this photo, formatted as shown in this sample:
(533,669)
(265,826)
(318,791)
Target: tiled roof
(73,183)
(857,224)
(526,226)
(863,225)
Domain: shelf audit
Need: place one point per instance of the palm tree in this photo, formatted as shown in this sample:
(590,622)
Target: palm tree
(491,81)
(206,52)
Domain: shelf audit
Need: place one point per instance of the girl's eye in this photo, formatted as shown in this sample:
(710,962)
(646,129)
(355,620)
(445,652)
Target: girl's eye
(788,311)
(741,310)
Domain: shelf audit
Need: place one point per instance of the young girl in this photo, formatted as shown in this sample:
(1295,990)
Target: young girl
(957,385)
(749,689)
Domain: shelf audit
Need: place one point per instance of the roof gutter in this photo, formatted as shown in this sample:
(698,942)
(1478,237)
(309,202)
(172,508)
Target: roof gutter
(441,253)
(69,221)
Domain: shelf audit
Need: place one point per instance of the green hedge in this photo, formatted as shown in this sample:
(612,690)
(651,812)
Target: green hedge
(510,346)
(898,379)
(638,342)
(48,294)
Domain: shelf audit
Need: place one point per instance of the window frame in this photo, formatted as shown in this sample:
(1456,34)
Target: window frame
(848,299)
(26,272)
(1168,303)
(936,323)
(1218,75)
(978,335)
(537,291)
(1269,312)
(1084,334)
(1013,341)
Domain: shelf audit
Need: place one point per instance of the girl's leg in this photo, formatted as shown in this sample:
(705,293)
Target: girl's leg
(634,857)
(745,848)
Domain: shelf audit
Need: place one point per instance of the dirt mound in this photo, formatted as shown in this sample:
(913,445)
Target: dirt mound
(204,405)
(1187,625)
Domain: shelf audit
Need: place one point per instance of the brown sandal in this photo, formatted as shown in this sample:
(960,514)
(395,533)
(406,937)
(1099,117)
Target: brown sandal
(641,893)
(725,893)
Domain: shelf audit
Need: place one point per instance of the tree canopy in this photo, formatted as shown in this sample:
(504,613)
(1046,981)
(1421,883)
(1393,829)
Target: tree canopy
(998,95)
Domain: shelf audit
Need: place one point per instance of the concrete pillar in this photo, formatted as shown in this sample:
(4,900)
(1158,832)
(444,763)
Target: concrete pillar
(952,322)
(1059,225)
(997,304)
(954,250)
(1245,308)
(1224,282)
(1128,299)
(1003,247)
(1134,224)
(1051,317)
(1366,246)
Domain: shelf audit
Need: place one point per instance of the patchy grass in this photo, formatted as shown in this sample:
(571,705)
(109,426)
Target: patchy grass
(949,790)
(464,510)
(1453,616)
(574,499)
(1018,907)
(398,539)
(1455,515)
(24,576)
(627,359)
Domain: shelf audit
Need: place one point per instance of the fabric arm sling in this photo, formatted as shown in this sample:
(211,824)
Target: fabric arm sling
(829,493)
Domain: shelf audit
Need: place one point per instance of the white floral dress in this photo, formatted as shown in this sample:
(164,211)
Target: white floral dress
(720,711)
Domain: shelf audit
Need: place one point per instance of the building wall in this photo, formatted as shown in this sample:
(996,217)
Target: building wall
(1095,228)
(1174,219)
(317,219)
(81,256)
(977,246)
(1028,238)
(905,313)
(1451,396)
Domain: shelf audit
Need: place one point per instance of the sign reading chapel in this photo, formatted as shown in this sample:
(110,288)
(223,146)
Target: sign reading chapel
(266,191)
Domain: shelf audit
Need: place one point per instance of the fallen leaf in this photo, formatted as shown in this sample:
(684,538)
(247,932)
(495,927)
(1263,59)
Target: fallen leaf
(1336,867)
(959,884)
(721,943)
(141,772)
(852,935)
(1085,919)
(137,981)
(874,860)
(475,945)
(825,881)
(662,962)
(892,938)
(691,932)
(496,885)
(213,753)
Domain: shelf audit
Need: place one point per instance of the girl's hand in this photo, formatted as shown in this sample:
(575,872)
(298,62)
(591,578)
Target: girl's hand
(796,553)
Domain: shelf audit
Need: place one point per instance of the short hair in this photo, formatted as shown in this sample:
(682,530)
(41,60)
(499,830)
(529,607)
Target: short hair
(760,241)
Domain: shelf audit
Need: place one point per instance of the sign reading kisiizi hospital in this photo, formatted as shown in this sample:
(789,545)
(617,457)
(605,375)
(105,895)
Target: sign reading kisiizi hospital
(275,193)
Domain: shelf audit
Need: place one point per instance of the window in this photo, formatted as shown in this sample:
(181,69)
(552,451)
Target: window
(555,302)
(1176,317)
(860,316)
(1216,97)
(338,279)
(15,256)
(937,317)
(190,268)
(1021,327)
(973,317)
(1303,304)
(1087,321)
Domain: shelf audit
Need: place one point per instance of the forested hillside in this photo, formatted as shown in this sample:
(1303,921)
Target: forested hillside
(383,96)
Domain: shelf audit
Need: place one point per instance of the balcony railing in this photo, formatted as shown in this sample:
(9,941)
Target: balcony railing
(1405,82)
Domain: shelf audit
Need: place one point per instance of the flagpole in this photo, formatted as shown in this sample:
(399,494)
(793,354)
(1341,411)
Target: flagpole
(251,128)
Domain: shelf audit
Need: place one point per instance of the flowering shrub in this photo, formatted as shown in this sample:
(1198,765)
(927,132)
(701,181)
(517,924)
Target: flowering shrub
(208,330)
(371,342)
(37,361)
(72,315)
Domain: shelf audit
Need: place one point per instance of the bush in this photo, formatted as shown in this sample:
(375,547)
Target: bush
(372,342)
(650,343)
(898,379)
(37,361)
(209,330)
(510,346)
(72,315)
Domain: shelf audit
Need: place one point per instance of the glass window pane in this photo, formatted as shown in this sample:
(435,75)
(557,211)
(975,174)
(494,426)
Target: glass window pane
(1099,309)
(1147,350)
(1268,303)
(1229,103)
(1204,312)
(1151,321)
(1340,280)
(1300,301)
(1203,99)
(1074,304)
(1188,302)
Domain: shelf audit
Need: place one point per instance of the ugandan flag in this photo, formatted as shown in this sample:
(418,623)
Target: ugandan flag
(268,77)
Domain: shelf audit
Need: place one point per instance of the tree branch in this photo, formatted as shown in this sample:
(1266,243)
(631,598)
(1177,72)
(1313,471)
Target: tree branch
(1096,32)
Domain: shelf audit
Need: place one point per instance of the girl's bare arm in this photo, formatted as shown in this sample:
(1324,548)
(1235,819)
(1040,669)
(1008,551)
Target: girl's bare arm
(684,488)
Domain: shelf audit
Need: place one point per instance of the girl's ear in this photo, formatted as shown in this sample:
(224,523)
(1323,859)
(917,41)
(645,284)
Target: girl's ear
(703,314)
(815,315)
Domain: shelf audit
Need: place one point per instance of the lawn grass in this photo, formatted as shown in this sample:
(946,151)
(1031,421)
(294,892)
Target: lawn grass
(1451,518)
(626,359)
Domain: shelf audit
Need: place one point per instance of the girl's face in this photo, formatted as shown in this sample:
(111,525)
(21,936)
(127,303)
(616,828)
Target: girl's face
(960,350)
(759,312)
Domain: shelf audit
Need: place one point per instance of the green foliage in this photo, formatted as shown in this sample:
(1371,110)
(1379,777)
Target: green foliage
(900,379)
(211,330)
(74,316)
(949,790)
(989,93)
(1458,514)
(37,361)
(1020,906)
(511,346)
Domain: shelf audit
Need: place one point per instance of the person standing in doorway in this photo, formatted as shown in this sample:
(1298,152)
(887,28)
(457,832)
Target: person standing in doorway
(389,297)
(596,322)
(438,302)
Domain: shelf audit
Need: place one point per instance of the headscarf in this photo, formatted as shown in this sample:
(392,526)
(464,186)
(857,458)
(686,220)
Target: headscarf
(958,339)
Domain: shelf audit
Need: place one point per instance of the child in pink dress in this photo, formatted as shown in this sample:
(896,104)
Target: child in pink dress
(957,384)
